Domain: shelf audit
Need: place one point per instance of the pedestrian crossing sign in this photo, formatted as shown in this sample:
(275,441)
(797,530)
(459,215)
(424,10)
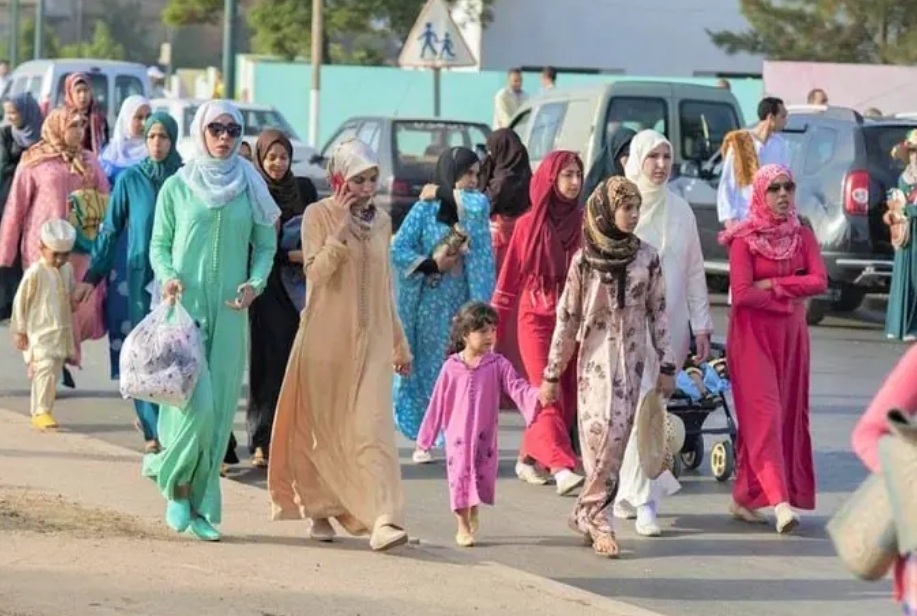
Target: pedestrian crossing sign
(435,41)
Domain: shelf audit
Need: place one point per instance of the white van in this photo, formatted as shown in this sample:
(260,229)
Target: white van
(112,81)
(695,118)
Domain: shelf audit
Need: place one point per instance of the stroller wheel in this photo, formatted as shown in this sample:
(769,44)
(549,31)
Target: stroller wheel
(722,460)
(692,454)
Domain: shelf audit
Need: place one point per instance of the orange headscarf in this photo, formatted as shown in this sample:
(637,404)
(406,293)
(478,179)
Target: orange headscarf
(54,146)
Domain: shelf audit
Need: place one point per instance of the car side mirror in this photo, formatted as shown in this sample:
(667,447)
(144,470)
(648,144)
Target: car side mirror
(689,169)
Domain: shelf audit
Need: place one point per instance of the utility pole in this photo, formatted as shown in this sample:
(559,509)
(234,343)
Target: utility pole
(230,10)
(316,71)
(13,20)
(39,29)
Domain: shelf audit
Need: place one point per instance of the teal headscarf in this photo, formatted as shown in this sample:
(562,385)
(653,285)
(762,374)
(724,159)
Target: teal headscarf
(159,171)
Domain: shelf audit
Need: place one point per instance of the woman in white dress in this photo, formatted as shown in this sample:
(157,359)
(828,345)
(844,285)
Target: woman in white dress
(667,223)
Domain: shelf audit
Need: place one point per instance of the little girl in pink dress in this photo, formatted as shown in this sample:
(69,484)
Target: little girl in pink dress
(466,404)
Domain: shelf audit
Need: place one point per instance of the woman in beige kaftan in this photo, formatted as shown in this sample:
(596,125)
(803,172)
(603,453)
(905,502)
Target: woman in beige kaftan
(333,449)
(615,293)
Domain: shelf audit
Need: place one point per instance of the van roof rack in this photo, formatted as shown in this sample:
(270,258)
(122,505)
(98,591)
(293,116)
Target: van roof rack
(828,111)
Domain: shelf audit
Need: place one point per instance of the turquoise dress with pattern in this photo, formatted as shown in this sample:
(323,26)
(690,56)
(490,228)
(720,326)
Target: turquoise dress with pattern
(426,304)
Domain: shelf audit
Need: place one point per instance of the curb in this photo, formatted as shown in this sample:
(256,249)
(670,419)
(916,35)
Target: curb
(511,575)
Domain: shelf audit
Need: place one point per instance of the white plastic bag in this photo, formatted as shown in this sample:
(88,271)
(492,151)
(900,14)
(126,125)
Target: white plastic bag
(162,358)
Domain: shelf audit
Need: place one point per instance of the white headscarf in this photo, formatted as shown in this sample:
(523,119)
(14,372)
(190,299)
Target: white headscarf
(653,212)
(58,235)
(217,181)
(124,149)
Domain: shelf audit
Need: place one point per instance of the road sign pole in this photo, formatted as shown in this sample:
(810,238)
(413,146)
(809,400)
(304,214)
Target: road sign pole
(437,91)
(230,10)
(314,97)
(14,32)
(39,29)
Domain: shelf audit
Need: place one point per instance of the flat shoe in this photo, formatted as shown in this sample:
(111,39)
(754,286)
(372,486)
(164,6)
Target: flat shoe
(386,537)
(322,530)
(178,515)
(203,530)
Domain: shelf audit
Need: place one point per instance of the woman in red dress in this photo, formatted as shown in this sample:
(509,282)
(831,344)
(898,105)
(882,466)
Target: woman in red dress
(774,265)
(532,276)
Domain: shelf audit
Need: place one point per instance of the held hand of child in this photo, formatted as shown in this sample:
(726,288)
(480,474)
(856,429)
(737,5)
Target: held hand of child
(767,283)
(22,342)
(666,385)
(547,393)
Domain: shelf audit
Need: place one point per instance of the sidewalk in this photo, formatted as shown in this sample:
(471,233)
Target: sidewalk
(81,533)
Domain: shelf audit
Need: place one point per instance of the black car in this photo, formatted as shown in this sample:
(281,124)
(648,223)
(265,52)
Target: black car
(408,149)
(843,169)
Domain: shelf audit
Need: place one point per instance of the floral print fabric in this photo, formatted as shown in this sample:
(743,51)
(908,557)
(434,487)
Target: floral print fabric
(612,354)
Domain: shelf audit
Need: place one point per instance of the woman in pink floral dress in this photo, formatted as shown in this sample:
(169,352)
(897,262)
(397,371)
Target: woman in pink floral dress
(615,292)
(49,171)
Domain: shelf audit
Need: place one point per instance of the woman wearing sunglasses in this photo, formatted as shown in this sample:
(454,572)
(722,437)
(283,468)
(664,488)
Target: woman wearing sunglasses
(775,264)
(207,216)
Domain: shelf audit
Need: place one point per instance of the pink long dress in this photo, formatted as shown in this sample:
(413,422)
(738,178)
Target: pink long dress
(769,361)
(899,391)
(38,194)
(466,403)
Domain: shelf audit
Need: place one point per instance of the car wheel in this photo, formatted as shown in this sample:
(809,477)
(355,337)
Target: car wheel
(850,299)
(815,311)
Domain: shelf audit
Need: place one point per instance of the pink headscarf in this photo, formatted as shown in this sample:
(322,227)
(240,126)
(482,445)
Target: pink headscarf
(771,237)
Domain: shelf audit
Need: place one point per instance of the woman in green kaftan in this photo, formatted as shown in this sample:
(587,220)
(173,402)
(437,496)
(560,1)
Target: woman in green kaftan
(207,216)
(130,209)
(901,314)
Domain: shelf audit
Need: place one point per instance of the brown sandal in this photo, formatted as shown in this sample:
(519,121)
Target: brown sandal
(605,545)
(259,460)
(152,447)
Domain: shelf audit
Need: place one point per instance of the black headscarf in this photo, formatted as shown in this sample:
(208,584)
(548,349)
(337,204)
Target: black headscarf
(506,174)
(451,166)
(285,191)
(608,164)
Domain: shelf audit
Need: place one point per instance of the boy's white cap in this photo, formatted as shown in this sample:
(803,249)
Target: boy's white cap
(58,235)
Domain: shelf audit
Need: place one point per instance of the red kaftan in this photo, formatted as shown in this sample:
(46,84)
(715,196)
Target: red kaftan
(547,440)
(768,358)
(501,232)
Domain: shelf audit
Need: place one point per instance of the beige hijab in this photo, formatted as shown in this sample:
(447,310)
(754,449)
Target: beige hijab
(350,158)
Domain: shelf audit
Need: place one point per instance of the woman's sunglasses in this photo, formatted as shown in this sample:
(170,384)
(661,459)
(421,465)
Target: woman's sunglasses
(232,129)
(776,187)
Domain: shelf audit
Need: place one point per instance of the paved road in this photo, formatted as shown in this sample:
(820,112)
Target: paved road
(706,565)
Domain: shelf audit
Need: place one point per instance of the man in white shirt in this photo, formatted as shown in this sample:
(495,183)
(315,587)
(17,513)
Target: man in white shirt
(746,151)
(509,99)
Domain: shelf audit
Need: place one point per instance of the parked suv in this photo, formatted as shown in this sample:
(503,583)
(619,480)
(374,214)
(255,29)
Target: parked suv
(843,168)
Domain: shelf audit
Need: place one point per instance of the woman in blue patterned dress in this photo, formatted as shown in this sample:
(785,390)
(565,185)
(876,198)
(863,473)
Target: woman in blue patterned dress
(443,258)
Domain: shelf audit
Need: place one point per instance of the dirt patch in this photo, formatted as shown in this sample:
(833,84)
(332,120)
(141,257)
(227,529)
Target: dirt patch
(36,512)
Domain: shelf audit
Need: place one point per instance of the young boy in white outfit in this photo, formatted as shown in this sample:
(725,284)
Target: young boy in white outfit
(42,322)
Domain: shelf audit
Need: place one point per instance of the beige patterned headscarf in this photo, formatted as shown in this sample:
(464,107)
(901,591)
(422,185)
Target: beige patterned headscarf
(54,146)
(350,158)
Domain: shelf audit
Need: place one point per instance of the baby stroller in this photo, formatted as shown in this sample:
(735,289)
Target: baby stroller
(700,391)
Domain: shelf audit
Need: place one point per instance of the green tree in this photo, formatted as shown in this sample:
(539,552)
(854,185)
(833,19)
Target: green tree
(853,31)
(191,12)
(355,31)
(102,46)
(26,50)
(131,29)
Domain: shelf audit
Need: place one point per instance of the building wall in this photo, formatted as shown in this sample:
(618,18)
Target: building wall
(634,37)
(348,91)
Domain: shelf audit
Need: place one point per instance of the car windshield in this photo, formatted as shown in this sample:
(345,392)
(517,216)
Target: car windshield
(256,121)
(418,144)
